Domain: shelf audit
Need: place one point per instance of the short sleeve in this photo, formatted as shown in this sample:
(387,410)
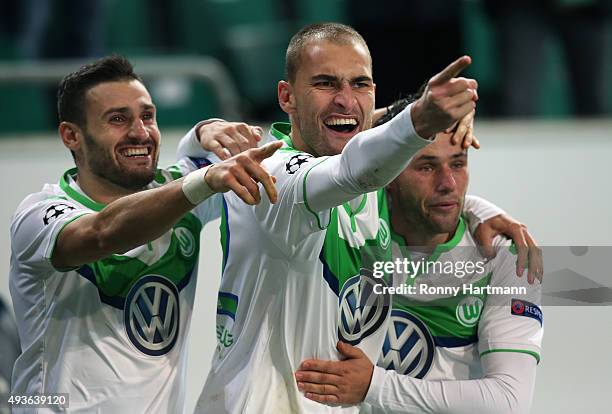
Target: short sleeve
(35,228)
(511,321)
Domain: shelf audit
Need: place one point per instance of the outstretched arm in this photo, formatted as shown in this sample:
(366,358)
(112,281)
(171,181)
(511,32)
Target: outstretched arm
(144,216)
(506,387)
(375,157)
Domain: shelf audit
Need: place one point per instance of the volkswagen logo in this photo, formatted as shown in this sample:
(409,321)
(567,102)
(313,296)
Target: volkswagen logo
(409,347)
(362,311)
(151,315)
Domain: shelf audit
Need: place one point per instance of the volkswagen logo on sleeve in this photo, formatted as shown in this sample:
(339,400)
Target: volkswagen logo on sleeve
(409,347)
(362,311)
(151,315)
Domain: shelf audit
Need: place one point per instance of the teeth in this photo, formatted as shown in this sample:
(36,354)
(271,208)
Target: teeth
(341,121)
(131,152)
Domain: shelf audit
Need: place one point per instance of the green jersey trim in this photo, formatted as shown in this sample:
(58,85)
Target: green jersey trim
(351,213)
(75,195)
(520,351)
(281,130)
(439,249)
(115,275)
(78,216)
(452,243)
(440,315)
(306,198)
(225,235)
(173,171)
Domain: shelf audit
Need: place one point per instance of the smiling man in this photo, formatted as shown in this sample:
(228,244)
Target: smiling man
(104,263)
(291,282)
(458,342)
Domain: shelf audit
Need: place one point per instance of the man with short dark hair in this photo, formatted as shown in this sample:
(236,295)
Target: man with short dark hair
(104,264)
(291,280)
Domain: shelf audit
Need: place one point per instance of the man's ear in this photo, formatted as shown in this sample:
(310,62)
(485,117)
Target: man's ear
(286,98)
(71,135)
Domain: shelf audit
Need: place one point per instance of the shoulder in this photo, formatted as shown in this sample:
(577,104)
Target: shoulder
(49,194)
(288,164)
(44,207)
(500,243)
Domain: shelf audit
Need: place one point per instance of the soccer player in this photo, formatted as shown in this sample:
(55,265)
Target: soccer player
(291,271)
(103,264)
(474,350)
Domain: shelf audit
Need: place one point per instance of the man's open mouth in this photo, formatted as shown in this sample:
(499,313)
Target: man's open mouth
(343,125)
(133,152)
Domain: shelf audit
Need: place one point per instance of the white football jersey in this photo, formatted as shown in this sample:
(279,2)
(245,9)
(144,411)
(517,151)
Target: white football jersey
(437,335)
(291,288)
(113,333)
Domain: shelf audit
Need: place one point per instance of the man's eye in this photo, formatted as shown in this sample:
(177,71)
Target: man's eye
(361,85)
(148,116)
(458,164)
(324,84)
(116,118)
(426,168)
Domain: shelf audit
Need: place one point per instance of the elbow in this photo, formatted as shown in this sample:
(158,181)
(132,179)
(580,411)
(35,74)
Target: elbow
(371,180)
(104,238)
(515,400)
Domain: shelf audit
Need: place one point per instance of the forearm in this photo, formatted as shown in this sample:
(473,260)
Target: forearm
(477,210)
(369,161)
(507,387)
(124,224)
(139,218)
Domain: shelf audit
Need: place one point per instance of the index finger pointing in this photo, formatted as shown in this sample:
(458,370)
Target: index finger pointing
(451,70)
(266,151)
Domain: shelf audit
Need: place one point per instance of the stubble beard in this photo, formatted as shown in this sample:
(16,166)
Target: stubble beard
(102,164)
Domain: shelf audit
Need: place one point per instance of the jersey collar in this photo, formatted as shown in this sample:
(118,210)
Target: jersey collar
(440,248)
(76,195)
(281,130)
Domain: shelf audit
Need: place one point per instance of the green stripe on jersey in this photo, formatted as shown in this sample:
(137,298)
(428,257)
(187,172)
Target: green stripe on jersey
(448,317)
(224,231)
(310,210)
(169,174)
(115,275)
(520,351)
(282,131)
(345,261)
(75,195)
(161,177)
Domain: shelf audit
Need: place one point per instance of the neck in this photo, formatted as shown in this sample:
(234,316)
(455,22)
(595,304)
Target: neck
(415,232)
(99,189)
(298,142)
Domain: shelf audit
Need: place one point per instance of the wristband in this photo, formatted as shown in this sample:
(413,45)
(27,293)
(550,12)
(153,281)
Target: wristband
(195,187)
